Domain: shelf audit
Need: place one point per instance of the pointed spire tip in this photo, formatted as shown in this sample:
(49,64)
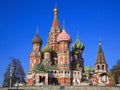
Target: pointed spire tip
(100,42)
(63,24)
(37,30)
(55,4)
(55,9)
(77,34)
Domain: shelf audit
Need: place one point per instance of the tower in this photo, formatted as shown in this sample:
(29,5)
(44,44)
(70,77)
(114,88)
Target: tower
(55,30)
(63,54)
(77,59)
(47,55)
(35,59)
(35,55)
(100,65)
(101,75)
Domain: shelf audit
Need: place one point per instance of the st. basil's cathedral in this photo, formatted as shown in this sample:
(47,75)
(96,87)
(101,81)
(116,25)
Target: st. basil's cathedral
(55,64)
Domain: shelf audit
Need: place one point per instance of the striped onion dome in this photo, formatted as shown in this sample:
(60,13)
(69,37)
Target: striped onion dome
(78,45)
(63,36)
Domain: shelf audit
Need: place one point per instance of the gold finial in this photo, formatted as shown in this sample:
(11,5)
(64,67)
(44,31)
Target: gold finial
(55,10)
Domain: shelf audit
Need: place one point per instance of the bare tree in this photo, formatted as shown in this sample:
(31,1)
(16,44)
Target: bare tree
(14,72)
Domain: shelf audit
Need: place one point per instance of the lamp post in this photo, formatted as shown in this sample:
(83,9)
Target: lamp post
(17,80)
(11,72)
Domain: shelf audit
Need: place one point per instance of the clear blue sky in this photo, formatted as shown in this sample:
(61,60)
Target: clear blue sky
(94,19)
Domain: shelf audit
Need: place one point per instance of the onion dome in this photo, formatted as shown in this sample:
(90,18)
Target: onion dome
(36,39)
(88,69)
(63,36)
(78,45)
(75,52)
(47,48)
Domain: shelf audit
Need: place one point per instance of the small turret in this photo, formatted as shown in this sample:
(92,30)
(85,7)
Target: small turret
(64,54)
(35,55)
(101,75)
(77,60)
(100,65)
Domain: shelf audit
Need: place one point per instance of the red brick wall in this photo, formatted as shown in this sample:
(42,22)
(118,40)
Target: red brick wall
(29,82)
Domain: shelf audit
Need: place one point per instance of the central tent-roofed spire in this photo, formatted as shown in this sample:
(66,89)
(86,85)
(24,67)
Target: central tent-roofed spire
(54,31)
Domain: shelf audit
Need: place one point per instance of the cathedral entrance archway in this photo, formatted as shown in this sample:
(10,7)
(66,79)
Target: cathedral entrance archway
(42,79)
(53,81)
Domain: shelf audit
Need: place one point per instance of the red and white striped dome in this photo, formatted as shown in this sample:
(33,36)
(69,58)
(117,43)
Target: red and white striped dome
(63,36)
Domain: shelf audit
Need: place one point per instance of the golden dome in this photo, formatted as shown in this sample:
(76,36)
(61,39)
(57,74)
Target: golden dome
(55,10)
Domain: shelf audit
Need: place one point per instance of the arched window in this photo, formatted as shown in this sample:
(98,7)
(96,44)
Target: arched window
(61,47)
(65,72)
(66,46)
(66,60)
(98,67)
(68,72)
(61,60)
(103,67)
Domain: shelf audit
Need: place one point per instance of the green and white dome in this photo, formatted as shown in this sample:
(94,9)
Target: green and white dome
(78,45)
(88,69)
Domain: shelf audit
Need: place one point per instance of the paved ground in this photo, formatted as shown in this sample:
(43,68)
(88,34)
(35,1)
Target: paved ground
(62,88)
